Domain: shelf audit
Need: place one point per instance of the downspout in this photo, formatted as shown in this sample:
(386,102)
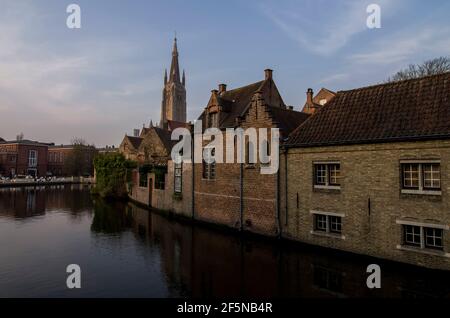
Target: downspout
(241,195)
(193,176)
(278,205)
(286,186)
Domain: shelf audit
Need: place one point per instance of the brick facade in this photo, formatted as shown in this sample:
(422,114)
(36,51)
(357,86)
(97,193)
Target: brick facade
(370,200)
(16,158)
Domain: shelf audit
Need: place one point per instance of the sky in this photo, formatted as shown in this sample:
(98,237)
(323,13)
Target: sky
(103,80)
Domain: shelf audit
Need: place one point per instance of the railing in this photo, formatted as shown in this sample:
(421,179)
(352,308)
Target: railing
(44,181)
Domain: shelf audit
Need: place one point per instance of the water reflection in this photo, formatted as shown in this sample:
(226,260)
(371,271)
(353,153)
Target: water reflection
(127,251)
(204,263)
(25,202)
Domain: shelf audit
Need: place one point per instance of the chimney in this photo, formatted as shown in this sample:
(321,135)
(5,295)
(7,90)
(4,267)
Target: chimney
(222,88)
(268,73)
(136,132)
(214,92)
(309,96)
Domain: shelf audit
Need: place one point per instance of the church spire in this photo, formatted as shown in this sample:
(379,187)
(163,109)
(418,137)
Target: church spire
(165,76)
(174,68)
(183,81)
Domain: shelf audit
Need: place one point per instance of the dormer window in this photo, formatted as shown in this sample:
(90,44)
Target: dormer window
(214,120)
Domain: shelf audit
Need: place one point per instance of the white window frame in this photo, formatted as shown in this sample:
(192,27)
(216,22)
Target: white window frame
(328,231)
(32,160)
(327,184)
(209,169)
(423,248)
(179,167)
(421,189)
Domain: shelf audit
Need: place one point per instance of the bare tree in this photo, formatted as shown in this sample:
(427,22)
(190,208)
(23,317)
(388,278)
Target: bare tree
(431,67)
(79,160)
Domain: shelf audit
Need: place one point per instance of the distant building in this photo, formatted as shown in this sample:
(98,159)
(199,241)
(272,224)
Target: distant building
(59,166)
(314,103)
(173,105)
(23,157)
(156,139)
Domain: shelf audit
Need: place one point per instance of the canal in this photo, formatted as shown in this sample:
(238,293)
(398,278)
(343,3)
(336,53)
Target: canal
(126,251)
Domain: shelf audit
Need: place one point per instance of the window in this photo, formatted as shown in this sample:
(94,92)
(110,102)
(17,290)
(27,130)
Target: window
(423,237)
(412,235)
(431,176)
(178,172)
(214,120)
(143,180)
(421,177)
(160,180)
(334,173)
(321,174)
(327,175)
(433,238)
(32,158)
(328,279)
(335,224)
(328,223)
(209,169)
(321,222)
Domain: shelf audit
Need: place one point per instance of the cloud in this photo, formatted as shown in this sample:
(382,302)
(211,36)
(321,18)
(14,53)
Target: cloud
(55,90)
(328,31)
(402,47)
(334,78)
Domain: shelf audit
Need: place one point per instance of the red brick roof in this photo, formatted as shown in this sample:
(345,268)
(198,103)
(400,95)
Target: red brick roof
(399,111)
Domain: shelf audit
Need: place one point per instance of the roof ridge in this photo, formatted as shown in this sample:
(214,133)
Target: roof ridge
(245,86)
(395,82)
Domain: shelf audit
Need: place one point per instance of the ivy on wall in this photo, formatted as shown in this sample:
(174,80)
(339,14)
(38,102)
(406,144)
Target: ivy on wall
(112,171)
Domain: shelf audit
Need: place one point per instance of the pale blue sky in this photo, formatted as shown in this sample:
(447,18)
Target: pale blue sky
(105,79)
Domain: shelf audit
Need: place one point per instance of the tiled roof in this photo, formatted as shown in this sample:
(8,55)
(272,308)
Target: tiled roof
(165,137)
(234,102)
(28,142)
(399,111)
(173,124)
(287,120)
(135,141)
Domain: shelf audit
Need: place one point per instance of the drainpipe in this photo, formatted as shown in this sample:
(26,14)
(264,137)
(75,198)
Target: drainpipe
(193,176)
(286,186)
(278,205)
(241,195)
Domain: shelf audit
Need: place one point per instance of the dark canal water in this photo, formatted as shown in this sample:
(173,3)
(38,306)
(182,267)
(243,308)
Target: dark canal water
(126,251)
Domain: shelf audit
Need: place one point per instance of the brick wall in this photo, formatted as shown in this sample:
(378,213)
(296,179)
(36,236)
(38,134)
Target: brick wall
(164,199)
(219,200)
(368,172)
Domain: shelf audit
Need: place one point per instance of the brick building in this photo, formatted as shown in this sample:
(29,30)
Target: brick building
(370,173)
(58,157)
(315,102)
(238,195)
(23,157)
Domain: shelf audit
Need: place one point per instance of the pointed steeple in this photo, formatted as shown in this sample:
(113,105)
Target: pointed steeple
(184,79)
(174,68)
(165,76)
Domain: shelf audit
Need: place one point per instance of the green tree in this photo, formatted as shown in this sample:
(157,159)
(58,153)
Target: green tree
(112,172)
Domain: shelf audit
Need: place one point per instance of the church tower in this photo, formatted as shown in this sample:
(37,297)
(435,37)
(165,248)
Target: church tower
(173,106)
